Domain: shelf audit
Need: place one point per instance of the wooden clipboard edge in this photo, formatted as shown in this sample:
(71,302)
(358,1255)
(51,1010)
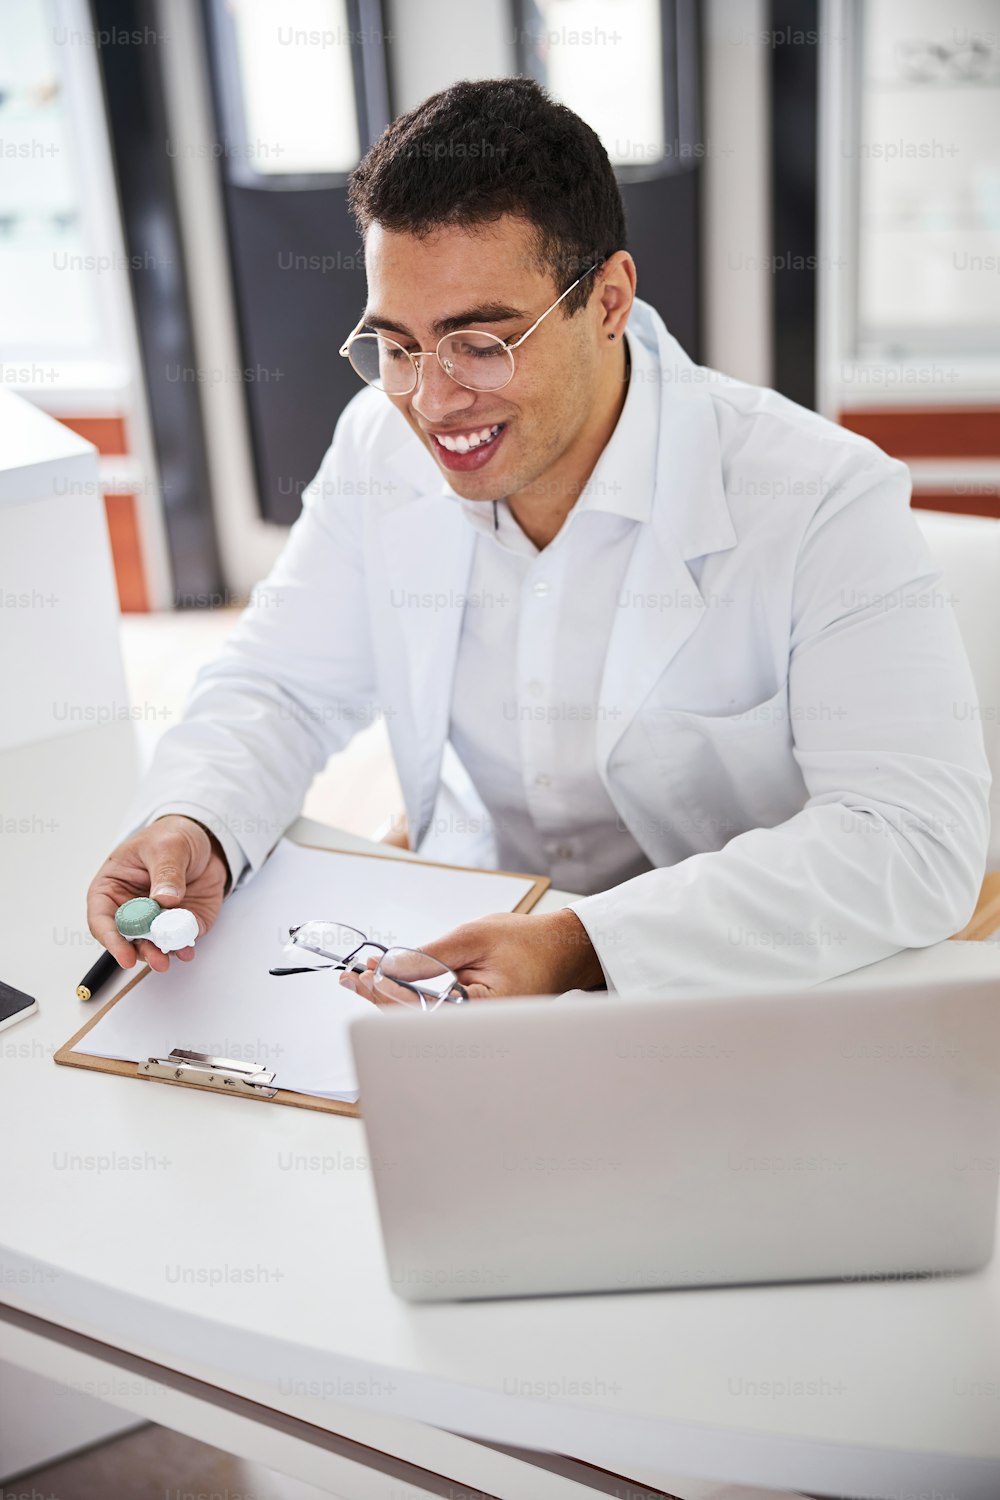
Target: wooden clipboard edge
(122,1069)
(539,883)
(66,1057)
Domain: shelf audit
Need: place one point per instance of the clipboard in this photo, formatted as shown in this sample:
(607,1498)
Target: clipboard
(187,1069)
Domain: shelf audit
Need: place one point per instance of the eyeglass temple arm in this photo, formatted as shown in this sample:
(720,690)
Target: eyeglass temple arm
(318,969)
(345,346)
(368,943)
(555,304)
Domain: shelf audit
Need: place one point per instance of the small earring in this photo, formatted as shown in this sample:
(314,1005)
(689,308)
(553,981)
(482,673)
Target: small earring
(610,335)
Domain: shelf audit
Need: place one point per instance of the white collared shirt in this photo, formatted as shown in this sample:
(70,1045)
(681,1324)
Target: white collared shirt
(526,698)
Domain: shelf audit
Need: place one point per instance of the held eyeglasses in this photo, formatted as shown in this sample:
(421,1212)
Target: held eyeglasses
(406,975)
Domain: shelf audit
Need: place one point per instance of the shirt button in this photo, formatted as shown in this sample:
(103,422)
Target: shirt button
(541,588)
(536,688)
(564,851)
(542,780)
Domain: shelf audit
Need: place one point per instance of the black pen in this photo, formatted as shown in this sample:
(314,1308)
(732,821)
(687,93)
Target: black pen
(97,975)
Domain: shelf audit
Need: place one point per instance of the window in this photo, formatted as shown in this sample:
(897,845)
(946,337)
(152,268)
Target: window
(604,60)
(296,85)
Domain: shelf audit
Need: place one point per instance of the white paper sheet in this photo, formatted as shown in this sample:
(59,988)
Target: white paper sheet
(225,1003)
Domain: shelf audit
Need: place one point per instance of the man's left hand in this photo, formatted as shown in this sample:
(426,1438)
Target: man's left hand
(511,953)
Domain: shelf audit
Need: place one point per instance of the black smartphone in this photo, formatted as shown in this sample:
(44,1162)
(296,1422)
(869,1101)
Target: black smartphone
(14,1005)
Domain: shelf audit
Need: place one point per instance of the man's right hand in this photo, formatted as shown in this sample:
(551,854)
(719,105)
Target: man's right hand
(177,862)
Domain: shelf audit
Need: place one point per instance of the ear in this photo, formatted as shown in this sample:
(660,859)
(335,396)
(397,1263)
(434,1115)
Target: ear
(617,293)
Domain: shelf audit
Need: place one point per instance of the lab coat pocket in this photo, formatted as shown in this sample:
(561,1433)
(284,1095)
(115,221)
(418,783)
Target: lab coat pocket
(725,773)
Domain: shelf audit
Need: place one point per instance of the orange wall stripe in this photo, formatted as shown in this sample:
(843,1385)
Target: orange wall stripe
(123,529)
(930,432)
(106,433)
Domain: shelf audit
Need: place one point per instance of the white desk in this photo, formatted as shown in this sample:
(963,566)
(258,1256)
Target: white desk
(105,1274)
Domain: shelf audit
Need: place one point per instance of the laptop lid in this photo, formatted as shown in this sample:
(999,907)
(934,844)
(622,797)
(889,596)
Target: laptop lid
(544,1146)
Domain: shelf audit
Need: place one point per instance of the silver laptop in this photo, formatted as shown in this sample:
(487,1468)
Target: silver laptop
(575,1145)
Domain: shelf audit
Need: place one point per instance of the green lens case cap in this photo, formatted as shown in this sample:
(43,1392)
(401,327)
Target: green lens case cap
(135,917)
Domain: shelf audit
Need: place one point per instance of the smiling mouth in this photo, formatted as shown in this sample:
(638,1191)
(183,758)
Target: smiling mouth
(468,442)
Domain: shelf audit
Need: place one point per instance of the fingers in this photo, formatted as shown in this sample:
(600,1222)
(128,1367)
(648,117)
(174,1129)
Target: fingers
(361,984)
(176,851)
(150,954)
(101,908)
(101,921)
(156,861)
(480,992)
(168,874)
(452,950)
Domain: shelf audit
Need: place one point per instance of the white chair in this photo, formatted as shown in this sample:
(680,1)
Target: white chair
(967,550)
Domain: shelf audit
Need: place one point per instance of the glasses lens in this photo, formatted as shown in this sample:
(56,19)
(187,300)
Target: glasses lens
(479,361)
(413,978)
(383,363)
(327,939)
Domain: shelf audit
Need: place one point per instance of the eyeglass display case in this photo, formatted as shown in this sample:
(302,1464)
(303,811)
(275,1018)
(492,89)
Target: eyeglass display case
(909,239)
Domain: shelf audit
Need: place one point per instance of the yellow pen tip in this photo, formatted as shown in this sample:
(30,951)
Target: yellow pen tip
(82,992)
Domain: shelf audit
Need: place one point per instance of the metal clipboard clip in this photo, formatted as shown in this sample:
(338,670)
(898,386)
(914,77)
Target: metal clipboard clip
(221,1073)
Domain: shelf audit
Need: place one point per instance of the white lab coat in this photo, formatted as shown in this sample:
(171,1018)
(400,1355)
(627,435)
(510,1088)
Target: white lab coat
(796,757)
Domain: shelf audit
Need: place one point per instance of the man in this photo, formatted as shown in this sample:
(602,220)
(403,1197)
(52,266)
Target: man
(682,635)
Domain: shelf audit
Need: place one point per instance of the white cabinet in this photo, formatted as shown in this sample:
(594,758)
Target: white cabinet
(60,660)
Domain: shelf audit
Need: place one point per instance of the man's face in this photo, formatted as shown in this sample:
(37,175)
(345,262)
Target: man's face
(415,283)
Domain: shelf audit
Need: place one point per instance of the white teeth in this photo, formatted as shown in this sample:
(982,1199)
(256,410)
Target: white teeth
(466,441)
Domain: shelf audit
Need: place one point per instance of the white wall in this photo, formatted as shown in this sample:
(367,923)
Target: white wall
(736,238)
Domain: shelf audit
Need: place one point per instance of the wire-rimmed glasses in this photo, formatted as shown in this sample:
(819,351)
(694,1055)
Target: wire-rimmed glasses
(474,359)
(406,975)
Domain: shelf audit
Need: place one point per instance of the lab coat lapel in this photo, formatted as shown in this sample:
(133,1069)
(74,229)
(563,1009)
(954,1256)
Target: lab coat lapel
(660,603)
(657,609)
(426,549)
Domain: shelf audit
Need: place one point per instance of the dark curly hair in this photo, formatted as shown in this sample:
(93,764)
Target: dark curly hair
(489,147)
